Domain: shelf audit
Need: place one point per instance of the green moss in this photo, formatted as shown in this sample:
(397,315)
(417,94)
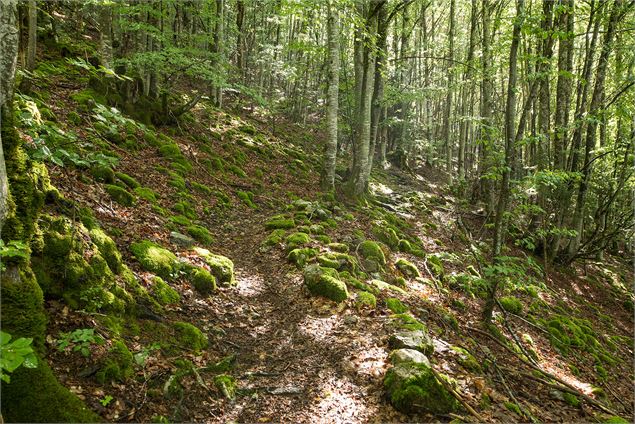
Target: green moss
(371,251)
(203,281)
(103,173)
(163,293)
(127,180)
(404,246)
(514,408)
(382,285)
(146,194)
(297,239)
(405,321)
(220,266)
(155,258)
(117,364)
(237,171)
(387,235)
(177,181)
(180,220)
(365,300)
(412,387)
(190,337)
(436,266)
(571,399)
(247,198)
(226,384)
(338,247)
(185,208)
(511,304)
(301,256)
(407,268)
(466,359)
(275,237)
(279,222)
(201,234)
(201,188)
(316,229)
(107,248)
(615,420)
(395,305)
(325,282)
(120,195)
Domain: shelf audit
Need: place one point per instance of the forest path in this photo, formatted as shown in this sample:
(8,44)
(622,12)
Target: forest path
(298,358)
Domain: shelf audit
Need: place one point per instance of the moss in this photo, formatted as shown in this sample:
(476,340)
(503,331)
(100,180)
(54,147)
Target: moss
(466,359)
(203,281)
(514,408)
(107,248)
(395,305)
(177,181)
(220,266)
(405,321)
(387,235)
(275,237)
(201,234)
(382,285)
(571,399)
(163,293)
(103,173)
(338,247)
(412,387)
(120,195)
(436,266)
(615,420)
(185,208)
(316,229)
(301,256)
(180,220)
(226,384)
(279,222)
(511,304)
(127,180)
(201,188)
(404,246)
(297,239)
(146,194)
(189,336)
(365,300)
(155,258)
(407,268)
(325,282)
(74,118)
(247,198)
(117,364)
(237,171)
(371,251)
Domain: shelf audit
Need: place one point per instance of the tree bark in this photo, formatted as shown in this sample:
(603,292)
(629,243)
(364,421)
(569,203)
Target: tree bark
(330,157)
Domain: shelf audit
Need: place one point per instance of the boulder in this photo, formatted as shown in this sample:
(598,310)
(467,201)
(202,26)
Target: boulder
(417,340)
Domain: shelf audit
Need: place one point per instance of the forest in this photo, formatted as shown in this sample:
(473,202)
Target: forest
(317,211)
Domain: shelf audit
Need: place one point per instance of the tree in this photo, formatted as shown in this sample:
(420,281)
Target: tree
(330,157)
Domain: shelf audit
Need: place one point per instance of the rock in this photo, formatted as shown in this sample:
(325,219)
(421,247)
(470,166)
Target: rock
(413,388)
(351,319)
(220,266)
(417,340)
(325,282)
(408,355)
(181,239)
(407,268)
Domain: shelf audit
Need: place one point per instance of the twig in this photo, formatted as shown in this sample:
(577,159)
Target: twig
(513,334)
(434,280)
(456,395)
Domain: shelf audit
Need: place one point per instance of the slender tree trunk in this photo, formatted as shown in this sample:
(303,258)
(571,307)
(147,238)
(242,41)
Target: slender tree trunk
(32,44)
(500,223)
(330,157)
(240,53)
(448,99)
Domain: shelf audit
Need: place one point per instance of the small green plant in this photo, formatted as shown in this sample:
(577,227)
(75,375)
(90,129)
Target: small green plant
(14,354)
(79,339)
(13,249)
(141,357)
(105,401)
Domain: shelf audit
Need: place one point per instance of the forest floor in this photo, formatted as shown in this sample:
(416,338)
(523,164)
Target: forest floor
(300,358)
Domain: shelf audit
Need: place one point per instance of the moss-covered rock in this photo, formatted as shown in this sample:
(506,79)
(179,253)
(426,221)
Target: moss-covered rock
(298,239)
(116,365)
(107,248)
(301,256)
(325,282)
(365,300)
(404,246)
(415,339)
(220,266)
(373,258)
(226,384)
(281,222)
(120,195)
(412,387)
(247,198)
(163,293)
(407,268)
(400,356)
(180,220)
(201,234)
(189,336)
(466,359)
(380,285)
(395,305)
(275,237)
(203,281)
(386,234)
(127,180)
(338,247)
(511,304)
(103,173)
(155,258)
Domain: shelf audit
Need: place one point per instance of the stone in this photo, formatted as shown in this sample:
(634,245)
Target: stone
(181,239)
(417,340)
(408,355)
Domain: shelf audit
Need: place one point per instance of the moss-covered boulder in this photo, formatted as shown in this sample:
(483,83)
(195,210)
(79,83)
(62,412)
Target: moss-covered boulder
(373,258)
(404,246)
(189,336)
(466,360)
(364,300)
(155,258)
(116,364)
(203,281)
(511,304)
(338,247)
(120,195)
(163,293)
(395,305)
(400,356)
(297,239)
(302,256)
(280,222)
(201,234)
(417,340)
(380,285)
(325,282)
(129,181)
(220,266)
(103,174)
(413,388)
(339,261)
(107,248)
(276,237)
(407,268)
(226,384)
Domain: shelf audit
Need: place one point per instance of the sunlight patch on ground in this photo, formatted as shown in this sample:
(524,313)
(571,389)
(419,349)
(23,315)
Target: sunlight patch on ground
(340,401)
(380,188)
(371,361)
(249,285)
(319,328)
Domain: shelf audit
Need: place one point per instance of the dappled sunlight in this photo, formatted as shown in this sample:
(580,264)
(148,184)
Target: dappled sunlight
(319,328)
(249,285)
(339,400)
(380,188)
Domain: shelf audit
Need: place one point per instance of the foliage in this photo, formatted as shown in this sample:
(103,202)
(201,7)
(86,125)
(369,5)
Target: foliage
(79,339)
(14,354)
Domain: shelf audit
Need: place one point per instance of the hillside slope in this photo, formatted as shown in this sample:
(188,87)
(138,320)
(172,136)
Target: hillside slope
(252,335)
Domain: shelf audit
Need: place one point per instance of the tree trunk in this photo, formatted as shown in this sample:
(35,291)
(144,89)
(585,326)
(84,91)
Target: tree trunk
(330,156)
(32,43)
(448,99)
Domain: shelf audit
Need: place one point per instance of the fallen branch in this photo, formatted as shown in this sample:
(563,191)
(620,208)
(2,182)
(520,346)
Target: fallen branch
(457,396)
